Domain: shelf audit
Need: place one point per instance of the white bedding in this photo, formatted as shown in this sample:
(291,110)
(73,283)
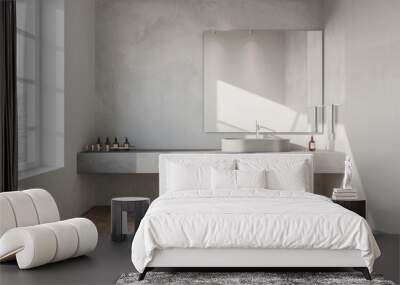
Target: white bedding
(251,218)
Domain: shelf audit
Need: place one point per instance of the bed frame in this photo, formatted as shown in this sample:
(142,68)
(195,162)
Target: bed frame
(246,259)
(234,259)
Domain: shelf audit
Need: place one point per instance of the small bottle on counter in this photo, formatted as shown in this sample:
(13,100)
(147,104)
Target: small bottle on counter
(107,145)
(126,143)
(115,144)
(311,144)
(92,147)
(98,144)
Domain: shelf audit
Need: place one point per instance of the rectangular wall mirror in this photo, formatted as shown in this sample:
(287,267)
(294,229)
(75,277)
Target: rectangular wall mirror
(274,77)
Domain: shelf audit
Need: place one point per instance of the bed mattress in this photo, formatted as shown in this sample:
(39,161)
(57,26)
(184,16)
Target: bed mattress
(250,219)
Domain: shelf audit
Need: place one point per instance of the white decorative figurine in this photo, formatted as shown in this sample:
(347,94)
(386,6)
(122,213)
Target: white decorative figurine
(348,173)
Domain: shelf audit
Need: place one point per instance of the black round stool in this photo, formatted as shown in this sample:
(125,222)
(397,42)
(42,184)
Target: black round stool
(120,207)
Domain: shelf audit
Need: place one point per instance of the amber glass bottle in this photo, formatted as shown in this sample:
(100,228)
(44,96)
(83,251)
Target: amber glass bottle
(311,144)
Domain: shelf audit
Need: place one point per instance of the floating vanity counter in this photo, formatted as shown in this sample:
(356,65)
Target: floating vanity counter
(146,161)
(124,162)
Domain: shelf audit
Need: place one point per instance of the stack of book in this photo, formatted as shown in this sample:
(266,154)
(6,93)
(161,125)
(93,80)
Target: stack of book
(344,194)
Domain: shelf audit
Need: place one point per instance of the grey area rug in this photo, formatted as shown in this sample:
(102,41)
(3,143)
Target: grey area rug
(269,278)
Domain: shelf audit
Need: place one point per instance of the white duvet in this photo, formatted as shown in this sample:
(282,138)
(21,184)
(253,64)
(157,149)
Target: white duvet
(250,219)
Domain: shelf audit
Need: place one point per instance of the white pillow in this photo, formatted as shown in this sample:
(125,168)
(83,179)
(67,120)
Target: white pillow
(282,173)
(292,178)
(188,177)
(251,178)
(223,179)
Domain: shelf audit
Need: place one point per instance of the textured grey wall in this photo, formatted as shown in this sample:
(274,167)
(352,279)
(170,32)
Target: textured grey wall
(149,70)
(362,43)
(149,62)
(74,193)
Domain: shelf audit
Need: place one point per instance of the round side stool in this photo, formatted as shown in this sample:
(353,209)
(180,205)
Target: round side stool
(120,207)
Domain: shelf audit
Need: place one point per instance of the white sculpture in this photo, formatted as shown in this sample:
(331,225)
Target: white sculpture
(348,173)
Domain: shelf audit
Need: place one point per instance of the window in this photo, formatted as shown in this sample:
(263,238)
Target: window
(28,84)
(40,85)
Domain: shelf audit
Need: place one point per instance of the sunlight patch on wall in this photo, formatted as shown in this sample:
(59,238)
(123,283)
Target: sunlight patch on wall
(238,109)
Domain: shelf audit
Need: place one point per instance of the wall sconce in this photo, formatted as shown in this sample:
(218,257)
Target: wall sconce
(334,109)
(316,111)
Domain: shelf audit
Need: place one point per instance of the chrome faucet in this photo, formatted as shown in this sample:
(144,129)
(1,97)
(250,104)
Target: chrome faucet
(258,128)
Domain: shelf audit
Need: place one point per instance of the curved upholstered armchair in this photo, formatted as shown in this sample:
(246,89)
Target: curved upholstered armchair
(31,230)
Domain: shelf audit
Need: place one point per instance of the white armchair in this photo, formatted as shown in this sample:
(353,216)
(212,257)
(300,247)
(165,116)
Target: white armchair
(31,230)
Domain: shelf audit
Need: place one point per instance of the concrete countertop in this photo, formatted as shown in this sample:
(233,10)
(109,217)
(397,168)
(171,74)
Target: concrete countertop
(154,150)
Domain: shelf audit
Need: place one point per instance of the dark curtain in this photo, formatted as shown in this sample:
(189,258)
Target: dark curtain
(8,97)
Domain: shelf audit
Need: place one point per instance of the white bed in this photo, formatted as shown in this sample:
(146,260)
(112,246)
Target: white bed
(206,226)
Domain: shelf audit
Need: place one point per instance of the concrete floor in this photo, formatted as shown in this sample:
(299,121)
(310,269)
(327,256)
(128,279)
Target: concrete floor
(110,260)
(103,266)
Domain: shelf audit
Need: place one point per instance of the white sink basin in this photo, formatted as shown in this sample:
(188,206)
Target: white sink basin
(272,144)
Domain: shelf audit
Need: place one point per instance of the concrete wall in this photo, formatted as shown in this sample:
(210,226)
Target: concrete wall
(149,71)
(149,62)
(362,43)
(74,194)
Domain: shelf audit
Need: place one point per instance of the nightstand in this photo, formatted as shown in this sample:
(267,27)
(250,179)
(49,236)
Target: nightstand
(120,207)
(357,206)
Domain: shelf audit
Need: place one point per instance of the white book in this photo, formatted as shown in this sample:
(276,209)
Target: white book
(345,198)
(345,194)
(341,190)
(340,197)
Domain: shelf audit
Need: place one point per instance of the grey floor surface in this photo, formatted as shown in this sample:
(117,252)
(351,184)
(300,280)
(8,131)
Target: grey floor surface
(103,266)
